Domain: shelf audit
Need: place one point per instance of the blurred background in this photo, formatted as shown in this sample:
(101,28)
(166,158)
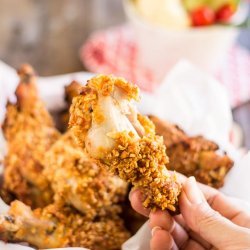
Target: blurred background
(48,34)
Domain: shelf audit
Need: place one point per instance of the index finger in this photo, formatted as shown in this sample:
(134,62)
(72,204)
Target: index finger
(226,206)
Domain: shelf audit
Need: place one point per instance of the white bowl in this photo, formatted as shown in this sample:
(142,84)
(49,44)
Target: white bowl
(160,48)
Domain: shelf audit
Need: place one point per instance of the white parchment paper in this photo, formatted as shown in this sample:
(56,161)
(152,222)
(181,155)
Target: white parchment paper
(188,97)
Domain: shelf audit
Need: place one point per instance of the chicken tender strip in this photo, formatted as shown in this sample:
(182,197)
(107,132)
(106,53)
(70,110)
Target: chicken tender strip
(105,121)
(77,180)
(195,156)
(30,132)
(54,227)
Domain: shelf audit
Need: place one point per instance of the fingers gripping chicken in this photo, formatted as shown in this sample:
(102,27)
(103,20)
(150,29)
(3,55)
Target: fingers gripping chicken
(105,121)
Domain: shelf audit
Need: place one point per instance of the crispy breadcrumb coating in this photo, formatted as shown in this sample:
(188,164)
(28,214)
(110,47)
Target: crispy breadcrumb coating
(29,131)
(43,168)
(55,226)
(77,180)
(195,156)
(104,120)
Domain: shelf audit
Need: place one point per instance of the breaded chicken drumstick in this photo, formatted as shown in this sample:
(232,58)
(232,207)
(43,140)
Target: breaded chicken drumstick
(195,156)
(105,121)
(77,180)
(29,131)
(54,227)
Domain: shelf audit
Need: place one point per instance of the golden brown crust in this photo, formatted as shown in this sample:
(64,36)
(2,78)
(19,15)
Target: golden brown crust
(141,162)
(78,180)
(171,133)
(195,156)
(43,168)
(105,84)
(55,226)
(132,161)
(29,131)
(80,114)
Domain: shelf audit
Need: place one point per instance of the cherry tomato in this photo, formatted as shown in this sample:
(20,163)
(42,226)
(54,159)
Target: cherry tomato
(225,13)
(203,16)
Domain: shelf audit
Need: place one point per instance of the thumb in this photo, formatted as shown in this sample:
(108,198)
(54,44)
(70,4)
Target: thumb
(206,222)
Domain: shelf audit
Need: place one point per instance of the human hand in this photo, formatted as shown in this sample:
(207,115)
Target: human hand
(208,220)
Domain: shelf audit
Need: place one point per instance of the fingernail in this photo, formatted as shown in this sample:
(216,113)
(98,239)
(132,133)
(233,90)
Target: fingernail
(154,229)
(192,191)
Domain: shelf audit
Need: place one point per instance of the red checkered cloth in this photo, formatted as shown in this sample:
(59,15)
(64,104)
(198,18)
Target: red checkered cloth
(114,51)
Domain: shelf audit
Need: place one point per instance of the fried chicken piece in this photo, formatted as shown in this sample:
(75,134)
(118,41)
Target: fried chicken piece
(54,226)
(28,106)
(106,123)
(77,180)
(5,195)
(30,132)
(195,156)
(171,133)
(71,90)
